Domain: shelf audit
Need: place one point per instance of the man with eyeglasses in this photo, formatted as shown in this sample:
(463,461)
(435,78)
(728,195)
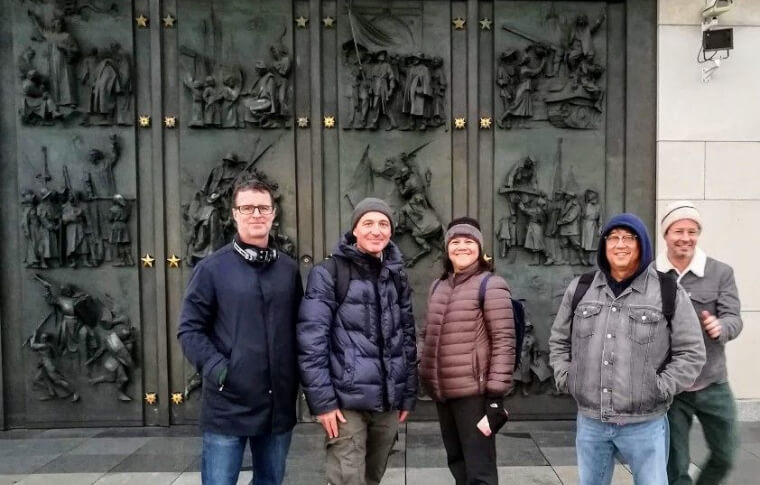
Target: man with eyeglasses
(712,289)
(625,341)
(237,328)
(357,349)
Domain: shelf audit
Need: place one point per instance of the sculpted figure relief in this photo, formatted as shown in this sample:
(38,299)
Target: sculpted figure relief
(207,218)
(564,77)
(94,331)
(556,231)
(65,80)
(407,90)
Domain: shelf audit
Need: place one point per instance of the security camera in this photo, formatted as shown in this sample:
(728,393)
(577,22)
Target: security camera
(714,8)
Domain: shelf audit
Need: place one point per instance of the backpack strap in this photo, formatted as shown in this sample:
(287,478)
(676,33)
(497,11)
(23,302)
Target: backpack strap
(668,292)
(583,285)
(435,286)
(340,270)
(482,291)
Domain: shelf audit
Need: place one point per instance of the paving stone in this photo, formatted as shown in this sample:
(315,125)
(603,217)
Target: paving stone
(753,448)
(152,478)
(517,450)
(38,446)
(393,476)
(23,465)
(746,469)
(569,475)
(560,455)
(11,479)
(429,476)
(61,478)
(82,464)
(154,463)
(71,432)
(110,446)
(174,445)
(528,475)
(194,478)
(554,438)
(17,434)
(424,449)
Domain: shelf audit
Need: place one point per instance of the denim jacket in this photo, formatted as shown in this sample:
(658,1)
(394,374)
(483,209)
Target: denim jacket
(623,363)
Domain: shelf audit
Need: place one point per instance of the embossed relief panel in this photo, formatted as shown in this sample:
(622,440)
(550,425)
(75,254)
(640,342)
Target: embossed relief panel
(235,67)
(551,162)
(77,351)
(394,138)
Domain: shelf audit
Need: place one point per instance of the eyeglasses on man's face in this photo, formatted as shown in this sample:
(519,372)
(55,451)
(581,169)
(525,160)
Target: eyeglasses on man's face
(615,239)
(264,210)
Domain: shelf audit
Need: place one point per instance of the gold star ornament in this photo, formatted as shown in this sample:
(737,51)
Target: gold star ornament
(147,260)
(151,398)
(177,398)
(485,24)
(303,121)
(144,121)
(170,121)
(329,22)
(329,121)
(459,123)
(301,22)
(485,123)
(142,21)
(169,21)
(459,23)
(173,261)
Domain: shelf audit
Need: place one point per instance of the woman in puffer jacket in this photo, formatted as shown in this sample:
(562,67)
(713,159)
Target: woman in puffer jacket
(468,354)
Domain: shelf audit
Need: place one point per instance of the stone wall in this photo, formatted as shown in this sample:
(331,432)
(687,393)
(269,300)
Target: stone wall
(708,151)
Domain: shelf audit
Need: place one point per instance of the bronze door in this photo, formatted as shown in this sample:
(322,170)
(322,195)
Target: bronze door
(537,117)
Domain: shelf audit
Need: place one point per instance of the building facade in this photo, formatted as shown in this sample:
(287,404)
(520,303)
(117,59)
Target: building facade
(124,126)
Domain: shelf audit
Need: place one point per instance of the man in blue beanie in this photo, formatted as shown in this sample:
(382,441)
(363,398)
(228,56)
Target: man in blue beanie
(625,341)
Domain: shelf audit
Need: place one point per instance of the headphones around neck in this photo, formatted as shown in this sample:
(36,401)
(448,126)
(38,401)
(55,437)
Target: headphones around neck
(256,256)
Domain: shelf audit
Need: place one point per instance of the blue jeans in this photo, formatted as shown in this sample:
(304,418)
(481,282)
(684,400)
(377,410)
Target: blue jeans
(223,456)
(644,446)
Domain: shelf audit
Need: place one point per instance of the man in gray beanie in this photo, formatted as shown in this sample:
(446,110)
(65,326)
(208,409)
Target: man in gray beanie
(357,349)
(712,289)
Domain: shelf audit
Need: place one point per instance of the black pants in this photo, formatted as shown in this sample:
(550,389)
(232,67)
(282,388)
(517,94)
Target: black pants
(471,456)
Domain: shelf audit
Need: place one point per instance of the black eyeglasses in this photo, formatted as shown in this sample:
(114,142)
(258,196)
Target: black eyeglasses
(264,210)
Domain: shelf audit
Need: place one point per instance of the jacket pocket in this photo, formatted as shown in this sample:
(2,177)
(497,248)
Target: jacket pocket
(570,379)
(584,319)
(704,301)
(642,324)
(476,372)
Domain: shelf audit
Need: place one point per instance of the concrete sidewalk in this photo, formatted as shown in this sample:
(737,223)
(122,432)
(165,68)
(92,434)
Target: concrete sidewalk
(529,452)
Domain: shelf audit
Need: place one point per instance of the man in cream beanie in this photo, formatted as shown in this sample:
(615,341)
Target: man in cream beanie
(712,289)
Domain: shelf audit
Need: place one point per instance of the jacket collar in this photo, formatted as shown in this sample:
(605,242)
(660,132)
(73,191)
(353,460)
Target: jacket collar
(696,266)
(459,278)
(638,284)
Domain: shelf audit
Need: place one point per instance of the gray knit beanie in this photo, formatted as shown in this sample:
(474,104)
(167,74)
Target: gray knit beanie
(371,204)
(465,230)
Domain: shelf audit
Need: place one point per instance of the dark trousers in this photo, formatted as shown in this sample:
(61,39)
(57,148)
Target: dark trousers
(715,408)
(470,455)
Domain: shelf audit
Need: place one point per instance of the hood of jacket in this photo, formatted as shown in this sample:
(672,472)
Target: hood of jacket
(632,223)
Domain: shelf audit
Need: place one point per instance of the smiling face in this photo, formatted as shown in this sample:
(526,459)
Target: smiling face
(373,233)
(463,252)
(253,228)
(623,253)
(681,239)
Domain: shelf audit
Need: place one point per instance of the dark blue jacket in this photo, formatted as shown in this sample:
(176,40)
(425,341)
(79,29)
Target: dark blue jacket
(242,317)
(343,364)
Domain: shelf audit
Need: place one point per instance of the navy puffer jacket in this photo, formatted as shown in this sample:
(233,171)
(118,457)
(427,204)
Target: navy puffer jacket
(343,364)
